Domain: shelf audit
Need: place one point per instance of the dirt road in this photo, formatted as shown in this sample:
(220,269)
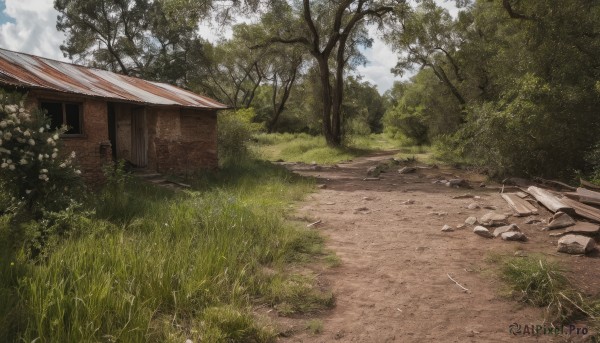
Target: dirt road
(393,284)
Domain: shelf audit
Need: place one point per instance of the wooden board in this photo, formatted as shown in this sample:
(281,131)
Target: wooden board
(550,201)
(585,196)
(588,184)
(584,229)
(583,210)
(521,206)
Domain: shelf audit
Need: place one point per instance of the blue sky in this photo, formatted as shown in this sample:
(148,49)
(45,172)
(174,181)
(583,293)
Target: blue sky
(30,26)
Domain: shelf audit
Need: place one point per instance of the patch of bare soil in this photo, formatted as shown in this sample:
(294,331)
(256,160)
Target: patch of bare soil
(393,284)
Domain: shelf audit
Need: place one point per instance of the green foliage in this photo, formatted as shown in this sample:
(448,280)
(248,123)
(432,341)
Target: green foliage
(541,282)
(36,175)
(235,130)
(185,265)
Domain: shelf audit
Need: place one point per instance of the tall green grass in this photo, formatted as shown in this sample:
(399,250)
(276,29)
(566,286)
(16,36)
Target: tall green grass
(306,148)
(159,266)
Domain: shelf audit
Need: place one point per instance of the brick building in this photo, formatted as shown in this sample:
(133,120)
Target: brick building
(111,116)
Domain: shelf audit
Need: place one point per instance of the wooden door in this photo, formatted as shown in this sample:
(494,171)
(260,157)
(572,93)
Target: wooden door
(139,144)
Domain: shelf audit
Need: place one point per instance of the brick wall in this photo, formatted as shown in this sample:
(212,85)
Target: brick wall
(185,140)
(92,148)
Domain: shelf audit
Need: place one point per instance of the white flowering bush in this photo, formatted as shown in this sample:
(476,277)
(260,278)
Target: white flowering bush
(34,173)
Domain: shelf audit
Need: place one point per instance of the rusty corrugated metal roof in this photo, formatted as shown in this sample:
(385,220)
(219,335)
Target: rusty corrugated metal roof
(23,70)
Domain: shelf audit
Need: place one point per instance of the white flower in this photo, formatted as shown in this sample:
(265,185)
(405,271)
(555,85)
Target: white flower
(23,161)
(27,191)
(46,156)
(55,137)
(40,157)
(11,108)
(27,133)
(62,165)
(77,171)
(4,165)
(44,171)
(31,142)
(7,136)
(11,166)
(73,154)
(50,140)
(3,124)
(54,155)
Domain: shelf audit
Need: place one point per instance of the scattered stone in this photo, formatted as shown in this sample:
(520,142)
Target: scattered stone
(447,228)
(458,183)
(463,196)
(461,226)
(473,206)
(408,202)
(367,198)
(371,179)
(322,186)
(440,214)
(407,170)
(576,244)
(440,182)
(533,221)
(557,234)
(330,203)
(483,232)
(490,207)
(471,221)
(584,228)
(493,219)
(560,220)
(477,197)
(507,228)
(482,185)
(514,236)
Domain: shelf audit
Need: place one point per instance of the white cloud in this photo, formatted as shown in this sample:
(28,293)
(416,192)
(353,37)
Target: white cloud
(33,30)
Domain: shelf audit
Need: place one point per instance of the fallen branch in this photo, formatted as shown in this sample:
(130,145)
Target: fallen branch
(459,285)
(315,223)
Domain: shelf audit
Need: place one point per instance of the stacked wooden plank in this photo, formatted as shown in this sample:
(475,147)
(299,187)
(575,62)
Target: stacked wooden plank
(521,206)
(550,201)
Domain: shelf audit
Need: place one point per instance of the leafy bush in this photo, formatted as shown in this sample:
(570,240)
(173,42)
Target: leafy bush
(531,131)
(235,130)
(35,174)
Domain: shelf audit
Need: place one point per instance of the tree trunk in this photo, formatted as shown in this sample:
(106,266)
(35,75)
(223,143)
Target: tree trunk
(326,98)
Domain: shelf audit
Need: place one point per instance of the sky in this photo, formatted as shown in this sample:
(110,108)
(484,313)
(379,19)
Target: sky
(30,26)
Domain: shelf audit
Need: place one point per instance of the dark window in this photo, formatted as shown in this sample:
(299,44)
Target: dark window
(62,113)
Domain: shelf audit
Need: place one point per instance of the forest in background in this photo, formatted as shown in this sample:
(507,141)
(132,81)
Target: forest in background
(509,85)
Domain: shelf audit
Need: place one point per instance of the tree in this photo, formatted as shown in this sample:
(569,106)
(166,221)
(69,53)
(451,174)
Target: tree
(328,30)
(134,37)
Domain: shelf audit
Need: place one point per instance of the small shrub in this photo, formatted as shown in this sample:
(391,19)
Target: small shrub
(35,174)
(235,130)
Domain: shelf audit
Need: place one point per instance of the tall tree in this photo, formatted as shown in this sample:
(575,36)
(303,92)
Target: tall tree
(328,30)
(134,37)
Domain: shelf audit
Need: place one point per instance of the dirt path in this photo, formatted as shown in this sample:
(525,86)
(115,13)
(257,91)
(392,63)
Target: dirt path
(393,285)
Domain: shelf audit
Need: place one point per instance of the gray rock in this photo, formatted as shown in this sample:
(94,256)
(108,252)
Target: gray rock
(458,183)
(483,232)
(493,219)
(461,226)
(473,206)
(533,221)
(560,220)
(507,228)
(513,236)
(576,244)
(447,228)
(408,202)
(471,221)
(407,170)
